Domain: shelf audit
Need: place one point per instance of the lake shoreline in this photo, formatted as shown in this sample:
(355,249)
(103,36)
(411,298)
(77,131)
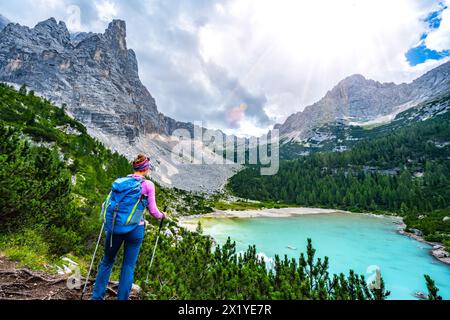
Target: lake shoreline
(437,249)
(268,213)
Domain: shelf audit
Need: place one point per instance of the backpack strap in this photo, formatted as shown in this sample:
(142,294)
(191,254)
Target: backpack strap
(133,211)
(116,209)
(105,207)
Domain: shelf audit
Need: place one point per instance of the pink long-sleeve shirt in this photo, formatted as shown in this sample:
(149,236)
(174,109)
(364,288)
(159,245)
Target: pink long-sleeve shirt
(148,190)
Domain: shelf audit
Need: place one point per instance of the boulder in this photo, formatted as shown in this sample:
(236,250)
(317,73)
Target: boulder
(441,253)
(421,295)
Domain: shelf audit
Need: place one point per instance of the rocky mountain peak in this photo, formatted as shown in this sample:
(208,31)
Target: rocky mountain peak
(95,75)
(49,23)
(118,26)
(51,28)
(357,82)
(353,79)
(354,85)
(117,33)
(362,100)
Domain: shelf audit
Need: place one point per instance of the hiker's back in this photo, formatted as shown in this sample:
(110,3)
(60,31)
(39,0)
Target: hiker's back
(125,205)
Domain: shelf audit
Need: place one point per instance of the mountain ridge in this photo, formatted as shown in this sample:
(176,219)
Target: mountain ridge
(80,73)
(95,77)
(358,99)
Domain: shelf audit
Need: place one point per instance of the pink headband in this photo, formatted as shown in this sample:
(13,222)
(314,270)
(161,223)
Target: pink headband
(143,166)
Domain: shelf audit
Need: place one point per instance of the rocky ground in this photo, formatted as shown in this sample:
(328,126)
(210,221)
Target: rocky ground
(438,250)
(206,175)
(22,284)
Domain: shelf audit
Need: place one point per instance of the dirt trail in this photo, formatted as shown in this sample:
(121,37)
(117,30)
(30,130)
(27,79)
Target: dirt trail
(22,284)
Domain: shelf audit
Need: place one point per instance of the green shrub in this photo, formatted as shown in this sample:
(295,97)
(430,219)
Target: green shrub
(40,134)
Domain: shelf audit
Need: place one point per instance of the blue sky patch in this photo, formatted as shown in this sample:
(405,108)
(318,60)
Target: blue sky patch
(421,53)
(434,19)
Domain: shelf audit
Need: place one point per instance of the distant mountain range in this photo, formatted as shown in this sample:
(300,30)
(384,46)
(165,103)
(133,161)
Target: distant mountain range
(96,77)
(361,102)
(341,136)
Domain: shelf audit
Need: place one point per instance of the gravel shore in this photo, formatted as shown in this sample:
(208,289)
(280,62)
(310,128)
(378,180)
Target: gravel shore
(190,222)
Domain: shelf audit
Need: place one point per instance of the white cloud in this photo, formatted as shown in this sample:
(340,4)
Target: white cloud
(247,128)
(294,51)
(51,4)
(106,10)
(439,39)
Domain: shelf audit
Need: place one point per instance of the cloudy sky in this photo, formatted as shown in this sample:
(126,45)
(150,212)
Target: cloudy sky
(244,65)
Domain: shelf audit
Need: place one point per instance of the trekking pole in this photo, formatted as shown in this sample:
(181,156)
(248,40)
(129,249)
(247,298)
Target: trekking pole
(92,261)
(154,249)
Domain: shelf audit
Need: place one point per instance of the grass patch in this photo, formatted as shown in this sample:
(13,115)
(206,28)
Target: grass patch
(28,248)
(31,250)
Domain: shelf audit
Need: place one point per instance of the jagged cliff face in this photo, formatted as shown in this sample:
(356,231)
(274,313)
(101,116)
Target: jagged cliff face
(358,100)
(95,75)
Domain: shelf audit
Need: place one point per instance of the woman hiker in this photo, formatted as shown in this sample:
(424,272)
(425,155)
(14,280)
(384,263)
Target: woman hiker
(123,213)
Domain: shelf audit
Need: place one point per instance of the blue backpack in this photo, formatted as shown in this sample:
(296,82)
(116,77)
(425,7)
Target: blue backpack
(124,207)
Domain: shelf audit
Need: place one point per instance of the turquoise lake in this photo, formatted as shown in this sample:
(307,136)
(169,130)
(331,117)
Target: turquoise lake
(351,241)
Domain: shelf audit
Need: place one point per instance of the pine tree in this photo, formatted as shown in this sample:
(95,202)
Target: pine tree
(432,289)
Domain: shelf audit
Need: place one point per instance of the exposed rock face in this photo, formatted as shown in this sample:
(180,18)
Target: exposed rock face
(356,99)
(95,75)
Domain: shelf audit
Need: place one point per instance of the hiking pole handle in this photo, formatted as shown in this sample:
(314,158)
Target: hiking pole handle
(160,225)
(162,220)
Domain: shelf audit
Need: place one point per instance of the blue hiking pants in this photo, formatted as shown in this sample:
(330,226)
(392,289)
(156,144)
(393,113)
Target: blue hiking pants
(132,241)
